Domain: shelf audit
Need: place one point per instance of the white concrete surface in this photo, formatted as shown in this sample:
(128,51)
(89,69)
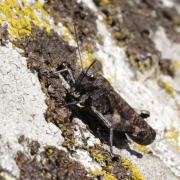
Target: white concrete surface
(22,108)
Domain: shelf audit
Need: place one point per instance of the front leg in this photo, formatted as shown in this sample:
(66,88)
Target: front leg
(65,69)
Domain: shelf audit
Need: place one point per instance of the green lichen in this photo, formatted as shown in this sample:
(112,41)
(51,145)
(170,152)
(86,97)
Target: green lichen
(167,87)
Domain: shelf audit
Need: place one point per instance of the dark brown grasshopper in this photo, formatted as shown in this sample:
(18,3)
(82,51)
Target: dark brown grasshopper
(92,97)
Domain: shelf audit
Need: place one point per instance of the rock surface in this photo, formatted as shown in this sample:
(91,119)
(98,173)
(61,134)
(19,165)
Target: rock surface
(138,45)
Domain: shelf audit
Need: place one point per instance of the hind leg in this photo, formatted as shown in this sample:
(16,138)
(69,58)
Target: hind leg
(109,125)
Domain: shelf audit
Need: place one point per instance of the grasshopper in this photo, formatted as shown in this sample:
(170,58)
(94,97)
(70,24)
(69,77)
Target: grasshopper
(92,97)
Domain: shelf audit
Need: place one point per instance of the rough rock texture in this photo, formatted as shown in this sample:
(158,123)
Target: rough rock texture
(45,58)
(52,164)
(70,13)
(137,43)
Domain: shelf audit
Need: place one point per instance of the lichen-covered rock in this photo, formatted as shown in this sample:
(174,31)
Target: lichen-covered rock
(137,45)
(50,164)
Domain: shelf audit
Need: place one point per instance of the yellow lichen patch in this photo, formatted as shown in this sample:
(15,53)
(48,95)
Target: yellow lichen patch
(6,176)
(1,20)
(176,20)
(105,174)
(87,58)
(110,79)
(177,64)
(67,36)
(100,39)
(43,85)
(167,87)
(21,16)
(104,2)
(173,135)
(97,155)
(139,63)
(136,175)
(143,149)
(109,167)
(121,38)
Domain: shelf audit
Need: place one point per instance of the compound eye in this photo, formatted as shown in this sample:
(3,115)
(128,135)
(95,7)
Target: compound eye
(91,76)
(76,94)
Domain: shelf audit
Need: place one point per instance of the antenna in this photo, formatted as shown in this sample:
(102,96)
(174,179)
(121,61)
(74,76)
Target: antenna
(77,41)
(81,78)
(90,66)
